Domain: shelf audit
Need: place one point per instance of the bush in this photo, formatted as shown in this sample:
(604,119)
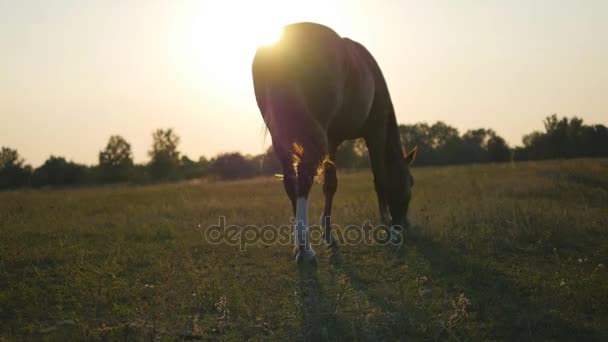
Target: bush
(57,171)
(13,174)
(230,166)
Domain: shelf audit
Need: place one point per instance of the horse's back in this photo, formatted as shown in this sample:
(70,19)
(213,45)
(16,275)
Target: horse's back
(328,75)
(358,92)
(304,64)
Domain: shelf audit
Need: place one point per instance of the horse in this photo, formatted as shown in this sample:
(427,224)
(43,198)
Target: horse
(316,89)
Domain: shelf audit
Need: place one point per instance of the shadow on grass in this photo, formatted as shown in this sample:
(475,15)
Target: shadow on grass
(503,305)
(501,308)
(383,326)
(320,305)
(311,297)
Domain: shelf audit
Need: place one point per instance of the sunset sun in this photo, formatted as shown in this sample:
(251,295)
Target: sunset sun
(217,41)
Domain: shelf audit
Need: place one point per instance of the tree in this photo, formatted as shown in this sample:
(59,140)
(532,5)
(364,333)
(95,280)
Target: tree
(13,173)
(419,135)
(203,162)
(474,145)
(441,144)
(9,158)
(352,154)
(498,150)
(267,163)
(190,169)
(230,166)
(597,140)
(116,160)
(58,171)
(564,138)
(164,154)
(346,156)
(442,134)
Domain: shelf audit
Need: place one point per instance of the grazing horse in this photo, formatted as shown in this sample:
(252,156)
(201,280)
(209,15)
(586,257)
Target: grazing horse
(316,89)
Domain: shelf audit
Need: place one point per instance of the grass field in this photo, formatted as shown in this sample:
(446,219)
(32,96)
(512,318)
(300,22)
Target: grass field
(497,252)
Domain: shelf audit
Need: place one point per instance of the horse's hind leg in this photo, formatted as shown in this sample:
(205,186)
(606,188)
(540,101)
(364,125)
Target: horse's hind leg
(330,186)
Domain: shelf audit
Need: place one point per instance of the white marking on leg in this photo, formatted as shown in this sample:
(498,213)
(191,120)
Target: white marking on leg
(385,217)
(301,231)
(302,222)
(397,234)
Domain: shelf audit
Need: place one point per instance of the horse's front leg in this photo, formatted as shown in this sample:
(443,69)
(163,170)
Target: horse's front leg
(304,250)
(294,187)
(330,186)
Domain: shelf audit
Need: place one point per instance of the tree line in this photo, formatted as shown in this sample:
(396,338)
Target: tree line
(438,144)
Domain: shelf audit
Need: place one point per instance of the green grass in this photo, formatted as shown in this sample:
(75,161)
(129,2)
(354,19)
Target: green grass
(498,252)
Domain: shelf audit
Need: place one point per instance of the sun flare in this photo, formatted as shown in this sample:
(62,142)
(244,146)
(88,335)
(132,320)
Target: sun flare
(217,40)
(268,36)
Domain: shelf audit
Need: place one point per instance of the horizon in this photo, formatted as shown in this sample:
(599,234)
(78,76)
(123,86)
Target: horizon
(77,73)
(246,155)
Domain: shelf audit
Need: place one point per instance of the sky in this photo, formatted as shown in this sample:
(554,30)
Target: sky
(72,73)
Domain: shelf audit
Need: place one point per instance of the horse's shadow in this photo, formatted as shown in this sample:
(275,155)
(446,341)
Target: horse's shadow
(310,298)
(320,302)
(319,319)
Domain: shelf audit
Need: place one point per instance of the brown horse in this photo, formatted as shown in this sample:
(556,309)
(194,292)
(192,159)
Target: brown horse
(316,89)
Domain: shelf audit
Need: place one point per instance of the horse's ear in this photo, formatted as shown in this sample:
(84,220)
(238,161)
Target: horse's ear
(411,156)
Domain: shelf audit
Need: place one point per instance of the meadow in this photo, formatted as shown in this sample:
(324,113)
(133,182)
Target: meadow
(513,251)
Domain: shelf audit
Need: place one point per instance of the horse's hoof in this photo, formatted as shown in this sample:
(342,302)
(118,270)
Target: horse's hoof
(304,256)
(396,235)
(331,244)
